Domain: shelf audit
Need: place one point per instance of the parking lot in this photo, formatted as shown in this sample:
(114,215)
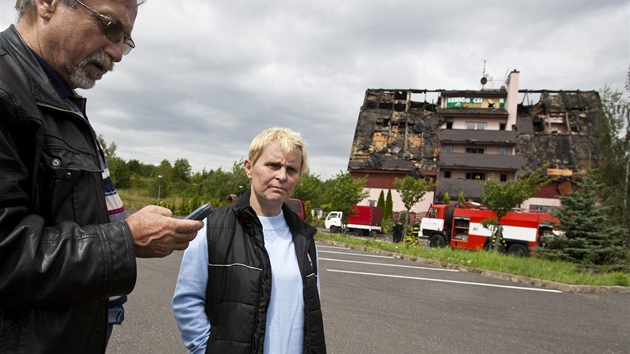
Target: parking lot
(382,304)
(374,302)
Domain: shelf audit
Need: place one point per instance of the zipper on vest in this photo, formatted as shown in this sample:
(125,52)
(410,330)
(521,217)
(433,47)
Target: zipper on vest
(310,261)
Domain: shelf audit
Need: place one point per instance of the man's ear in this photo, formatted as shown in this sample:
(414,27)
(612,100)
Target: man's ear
(46,8)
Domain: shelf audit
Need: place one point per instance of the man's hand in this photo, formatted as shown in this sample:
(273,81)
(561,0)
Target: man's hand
(157,234)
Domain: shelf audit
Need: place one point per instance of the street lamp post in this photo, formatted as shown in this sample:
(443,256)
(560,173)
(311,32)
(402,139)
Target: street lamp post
(159,185)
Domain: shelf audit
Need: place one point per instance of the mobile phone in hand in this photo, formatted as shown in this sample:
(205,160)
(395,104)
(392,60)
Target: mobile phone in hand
(201,213)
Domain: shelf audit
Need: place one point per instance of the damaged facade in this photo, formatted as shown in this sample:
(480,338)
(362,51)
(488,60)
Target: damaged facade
(467,136)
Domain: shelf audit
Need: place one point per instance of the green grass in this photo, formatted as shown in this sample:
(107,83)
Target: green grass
(134,200)
(561,272)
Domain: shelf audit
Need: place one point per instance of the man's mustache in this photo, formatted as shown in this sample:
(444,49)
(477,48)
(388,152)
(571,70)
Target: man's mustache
(101,60)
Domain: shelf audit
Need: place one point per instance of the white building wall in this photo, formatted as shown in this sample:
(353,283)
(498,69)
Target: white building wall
(512,99)
(419,208)
(553,202)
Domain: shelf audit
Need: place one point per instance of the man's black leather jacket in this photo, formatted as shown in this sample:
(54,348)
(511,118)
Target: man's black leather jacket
(60,259)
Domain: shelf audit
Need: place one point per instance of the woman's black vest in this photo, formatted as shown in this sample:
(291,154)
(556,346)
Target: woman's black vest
(239,280)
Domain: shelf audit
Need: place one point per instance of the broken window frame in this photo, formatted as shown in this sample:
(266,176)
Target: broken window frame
(481,176)
(475,150)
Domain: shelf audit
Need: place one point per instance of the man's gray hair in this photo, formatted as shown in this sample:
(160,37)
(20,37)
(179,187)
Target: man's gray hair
(22,6)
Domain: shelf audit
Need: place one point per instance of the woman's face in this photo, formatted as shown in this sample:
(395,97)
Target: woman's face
(273,178)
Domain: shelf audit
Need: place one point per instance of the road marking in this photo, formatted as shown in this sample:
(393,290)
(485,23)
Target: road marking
(445,281)
(356,254)
(388,265)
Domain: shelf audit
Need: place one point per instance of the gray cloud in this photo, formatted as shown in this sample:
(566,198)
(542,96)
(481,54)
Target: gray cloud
(207,76)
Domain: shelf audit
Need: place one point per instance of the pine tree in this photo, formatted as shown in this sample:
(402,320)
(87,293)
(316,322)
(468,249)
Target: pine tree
(388,212)
(381,200)
(589,239)
(460,198)
(612,147)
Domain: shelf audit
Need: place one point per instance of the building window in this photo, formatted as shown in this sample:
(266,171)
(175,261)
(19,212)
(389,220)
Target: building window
(504,177)
(542,208)
(502,126)
(447,174)
(476,175)
(502,151)
(448,148)
(475,150)
(476,126)
(372,203)
(449,125)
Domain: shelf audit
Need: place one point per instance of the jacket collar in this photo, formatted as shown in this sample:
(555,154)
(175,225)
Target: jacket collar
(243,207)
(62,89)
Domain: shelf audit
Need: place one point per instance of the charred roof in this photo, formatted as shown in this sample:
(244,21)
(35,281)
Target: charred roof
(394,132)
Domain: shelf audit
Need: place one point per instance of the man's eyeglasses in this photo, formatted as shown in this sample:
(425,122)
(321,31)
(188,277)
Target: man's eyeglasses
(112,29)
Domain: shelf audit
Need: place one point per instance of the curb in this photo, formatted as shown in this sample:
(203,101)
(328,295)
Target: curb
(546,284)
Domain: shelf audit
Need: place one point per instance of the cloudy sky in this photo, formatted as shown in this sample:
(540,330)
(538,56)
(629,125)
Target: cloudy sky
(208,75)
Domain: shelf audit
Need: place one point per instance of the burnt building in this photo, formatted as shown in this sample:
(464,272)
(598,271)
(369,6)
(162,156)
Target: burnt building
(463,137)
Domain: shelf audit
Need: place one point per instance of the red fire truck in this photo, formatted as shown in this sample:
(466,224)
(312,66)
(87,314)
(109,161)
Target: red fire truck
(458,227)
(364,221)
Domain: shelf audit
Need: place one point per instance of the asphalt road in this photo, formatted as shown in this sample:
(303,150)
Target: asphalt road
(380,304)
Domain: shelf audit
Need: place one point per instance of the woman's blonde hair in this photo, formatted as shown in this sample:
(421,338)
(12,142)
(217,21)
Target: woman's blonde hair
(285,138)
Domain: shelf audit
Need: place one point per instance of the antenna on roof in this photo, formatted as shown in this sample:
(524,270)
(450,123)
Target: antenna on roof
(484,78)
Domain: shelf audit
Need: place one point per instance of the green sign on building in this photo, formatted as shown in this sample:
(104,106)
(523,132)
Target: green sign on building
(471,102)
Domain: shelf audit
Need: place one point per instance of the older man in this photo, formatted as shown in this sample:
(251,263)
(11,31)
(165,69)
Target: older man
(66,245)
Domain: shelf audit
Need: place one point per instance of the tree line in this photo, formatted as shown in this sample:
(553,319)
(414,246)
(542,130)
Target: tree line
(596,215)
